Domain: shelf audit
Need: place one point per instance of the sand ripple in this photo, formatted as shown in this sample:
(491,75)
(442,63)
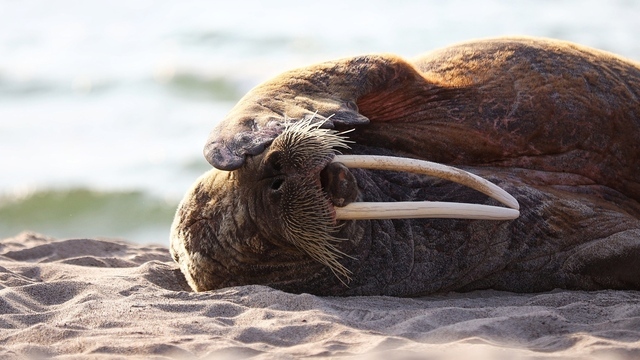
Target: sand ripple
(86,298)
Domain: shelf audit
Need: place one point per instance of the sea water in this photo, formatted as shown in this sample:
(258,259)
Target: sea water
(105,105)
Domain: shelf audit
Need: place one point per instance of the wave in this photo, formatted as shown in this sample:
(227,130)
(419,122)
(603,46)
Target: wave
(82,212)
(38,86)
(201,86)
(182,83)
(241,40)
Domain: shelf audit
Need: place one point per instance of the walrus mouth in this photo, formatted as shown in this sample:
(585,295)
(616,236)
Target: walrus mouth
(426,209)
(299,136)
(314,204)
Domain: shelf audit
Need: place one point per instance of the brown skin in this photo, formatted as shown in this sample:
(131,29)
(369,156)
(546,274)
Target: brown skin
(555,124)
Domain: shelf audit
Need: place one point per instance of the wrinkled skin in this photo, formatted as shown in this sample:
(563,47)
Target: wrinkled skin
(555,124)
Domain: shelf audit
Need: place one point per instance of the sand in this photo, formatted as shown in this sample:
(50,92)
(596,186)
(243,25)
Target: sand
(99,298)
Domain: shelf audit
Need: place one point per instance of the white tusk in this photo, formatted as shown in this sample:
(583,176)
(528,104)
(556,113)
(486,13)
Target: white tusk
(459,176)
(423,209)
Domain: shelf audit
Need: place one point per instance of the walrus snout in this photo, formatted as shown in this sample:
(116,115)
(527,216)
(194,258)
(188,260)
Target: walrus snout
(339,184)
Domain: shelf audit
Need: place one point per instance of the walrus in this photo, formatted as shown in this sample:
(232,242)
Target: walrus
(554,124)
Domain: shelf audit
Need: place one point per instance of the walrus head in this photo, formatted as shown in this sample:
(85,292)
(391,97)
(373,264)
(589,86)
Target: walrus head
(263,215)
(290,205)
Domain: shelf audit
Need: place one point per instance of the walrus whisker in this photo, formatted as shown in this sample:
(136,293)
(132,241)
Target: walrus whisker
(429,168)
(314,238)
(423,209)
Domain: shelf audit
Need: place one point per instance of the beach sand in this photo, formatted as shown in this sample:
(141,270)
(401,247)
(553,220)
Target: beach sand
(88,298)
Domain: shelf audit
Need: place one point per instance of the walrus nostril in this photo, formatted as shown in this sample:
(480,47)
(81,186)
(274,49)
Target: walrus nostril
(339,184)
(277,184)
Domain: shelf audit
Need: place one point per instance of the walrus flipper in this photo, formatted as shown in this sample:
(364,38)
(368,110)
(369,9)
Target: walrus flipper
(227,146)
(231,141)
(329,92)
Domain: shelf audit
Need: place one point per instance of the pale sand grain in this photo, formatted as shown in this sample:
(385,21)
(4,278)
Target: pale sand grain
(83,298)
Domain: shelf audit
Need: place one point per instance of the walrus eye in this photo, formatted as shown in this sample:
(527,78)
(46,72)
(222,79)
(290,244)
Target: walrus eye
(276,184)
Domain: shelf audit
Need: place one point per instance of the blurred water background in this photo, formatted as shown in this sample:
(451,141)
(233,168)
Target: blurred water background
(105,105)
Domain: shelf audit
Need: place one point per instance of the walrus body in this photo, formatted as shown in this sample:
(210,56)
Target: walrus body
(555,124)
